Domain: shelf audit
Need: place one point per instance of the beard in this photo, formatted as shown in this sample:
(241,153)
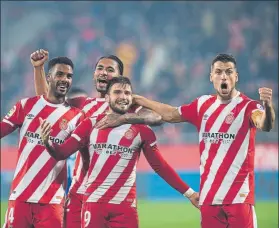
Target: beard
(118,110)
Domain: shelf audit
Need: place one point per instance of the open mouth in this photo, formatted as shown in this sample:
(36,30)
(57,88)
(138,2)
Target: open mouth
(63,87)
(224,86)
(122,103)
(102,82)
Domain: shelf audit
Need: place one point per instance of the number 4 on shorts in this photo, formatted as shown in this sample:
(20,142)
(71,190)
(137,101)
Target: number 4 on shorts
(10,215)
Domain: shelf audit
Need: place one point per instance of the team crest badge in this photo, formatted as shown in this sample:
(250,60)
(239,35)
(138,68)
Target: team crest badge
(11,112)
(129,134)
(63,124)
(230,118)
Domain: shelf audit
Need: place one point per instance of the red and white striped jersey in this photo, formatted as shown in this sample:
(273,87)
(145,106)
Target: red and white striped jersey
(92,107)
(114,153)
(227,147)
(38,177)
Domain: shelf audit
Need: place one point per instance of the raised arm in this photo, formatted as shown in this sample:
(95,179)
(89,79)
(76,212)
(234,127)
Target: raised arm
(264,119)
(38,58)
(167,112)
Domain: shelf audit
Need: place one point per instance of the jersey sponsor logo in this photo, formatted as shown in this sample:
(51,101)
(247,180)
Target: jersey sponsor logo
(63,124)
(30,116)
(110,149)
(217,137)
(11,112)
(129,134)
(33,137)
(229,118)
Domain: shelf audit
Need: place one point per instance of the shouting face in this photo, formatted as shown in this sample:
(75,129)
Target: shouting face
(224,77)
(105,70)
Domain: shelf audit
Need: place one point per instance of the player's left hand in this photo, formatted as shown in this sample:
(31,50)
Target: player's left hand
(194,198)
(266,96)
(110,120)
(45,130)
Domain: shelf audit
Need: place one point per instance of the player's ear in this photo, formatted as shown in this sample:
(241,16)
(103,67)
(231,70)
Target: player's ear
(236,77)
(210,77)
(48,77)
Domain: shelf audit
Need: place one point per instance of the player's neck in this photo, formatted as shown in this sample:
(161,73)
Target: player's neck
(101,95)
(234,94)
(53,99)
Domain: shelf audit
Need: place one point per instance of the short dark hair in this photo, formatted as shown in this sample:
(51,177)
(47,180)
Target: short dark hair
(115,80)
(225,58)
(60,60)
(116,59)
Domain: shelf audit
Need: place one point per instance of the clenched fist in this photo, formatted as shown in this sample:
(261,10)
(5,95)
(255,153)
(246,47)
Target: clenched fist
(39,57)
(266,96)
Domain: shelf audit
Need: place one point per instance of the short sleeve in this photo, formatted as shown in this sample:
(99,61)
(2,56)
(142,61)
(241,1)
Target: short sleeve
(15,117)
(189,112)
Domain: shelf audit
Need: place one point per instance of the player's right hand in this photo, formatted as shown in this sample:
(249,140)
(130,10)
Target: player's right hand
(194,198)
(39,57)
(45,130)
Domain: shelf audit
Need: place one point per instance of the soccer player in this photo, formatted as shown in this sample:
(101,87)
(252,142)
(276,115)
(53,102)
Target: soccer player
(38,187)
(73,98)
(110,196)
(227,123)
(106,68)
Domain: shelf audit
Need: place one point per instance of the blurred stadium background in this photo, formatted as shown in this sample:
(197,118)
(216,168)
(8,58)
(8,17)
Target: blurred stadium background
(167,48)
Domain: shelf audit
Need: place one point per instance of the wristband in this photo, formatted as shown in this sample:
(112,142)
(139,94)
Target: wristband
(189,193)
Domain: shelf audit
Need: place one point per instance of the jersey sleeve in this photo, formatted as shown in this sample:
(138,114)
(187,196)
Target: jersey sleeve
(82,132)
(159,164)
(148,137)
(254,110)
(15,116)
(189,112)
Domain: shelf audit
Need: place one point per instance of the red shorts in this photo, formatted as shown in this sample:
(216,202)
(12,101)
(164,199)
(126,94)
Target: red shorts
(105,215)
(72,212)
(232,216)
(25,215)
